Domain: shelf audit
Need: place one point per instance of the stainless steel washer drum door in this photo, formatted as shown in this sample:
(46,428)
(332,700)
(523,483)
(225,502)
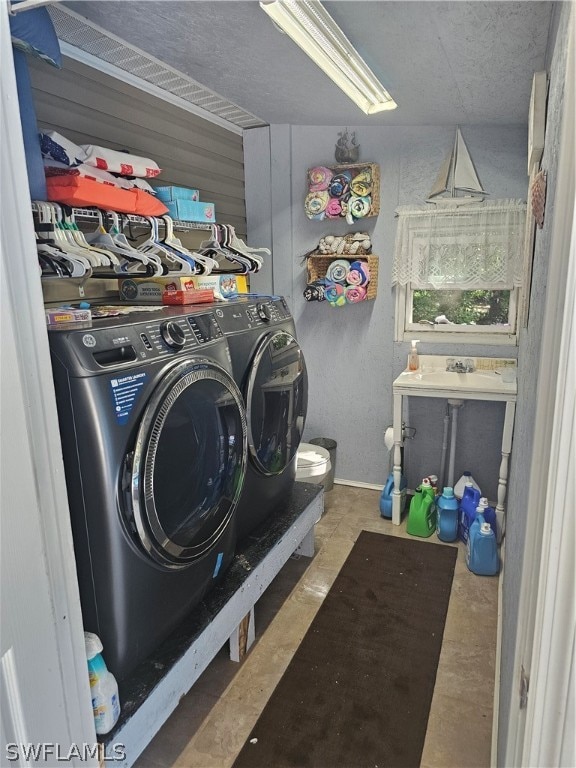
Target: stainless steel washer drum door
(189,462)
(276,402)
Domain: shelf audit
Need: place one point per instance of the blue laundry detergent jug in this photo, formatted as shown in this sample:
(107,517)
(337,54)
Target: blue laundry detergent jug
(386,497)
(468,505)
(481,548)
(447,520)
(489,514)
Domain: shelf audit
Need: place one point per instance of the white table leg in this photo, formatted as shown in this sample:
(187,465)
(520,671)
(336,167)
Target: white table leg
(396,494)
(503,475)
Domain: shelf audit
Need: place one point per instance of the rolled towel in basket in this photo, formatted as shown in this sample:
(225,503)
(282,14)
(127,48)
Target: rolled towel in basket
(357,207)
(319,178)
(334,208)
(359,273)
(354,294)
(315,291)
(316,203)
(335,295)
(337,270)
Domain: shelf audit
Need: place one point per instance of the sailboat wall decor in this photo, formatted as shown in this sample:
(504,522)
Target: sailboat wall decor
(457,182)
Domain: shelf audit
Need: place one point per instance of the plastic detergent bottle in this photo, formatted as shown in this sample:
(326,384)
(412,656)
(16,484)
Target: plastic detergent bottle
(422,514)
(481,549)
(465,480)
(103,686)
(468,506)
(386,496)
(489,514)
(447,522)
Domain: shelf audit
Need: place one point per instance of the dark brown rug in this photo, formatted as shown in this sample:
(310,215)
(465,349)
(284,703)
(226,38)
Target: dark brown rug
(357,692)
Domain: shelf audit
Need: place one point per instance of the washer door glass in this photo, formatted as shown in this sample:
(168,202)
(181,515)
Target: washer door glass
(189,462)
(276,402)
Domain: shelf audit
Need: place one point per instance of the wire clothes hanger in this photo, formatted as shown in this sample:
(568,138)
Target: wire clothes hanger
(215,249)
(69,221)
(203,264)
(58,256)
(173,261)
(132,261)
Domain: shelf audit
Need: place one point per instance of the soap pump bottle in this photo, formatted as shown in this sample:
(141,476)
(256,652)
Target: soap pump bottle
(413,361)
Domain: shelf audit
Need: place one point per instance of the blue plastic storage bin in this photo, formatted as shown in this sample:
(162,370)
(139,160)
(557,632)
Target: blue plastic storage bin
(187,210)
(170,194)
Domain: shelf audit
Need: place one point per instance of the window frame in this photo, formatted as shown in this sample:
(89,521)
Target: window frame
(454,334)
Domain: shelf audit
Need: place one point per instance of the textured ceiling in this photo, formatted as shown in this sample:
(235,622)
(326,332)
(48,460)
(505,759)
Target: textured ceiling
(443,62)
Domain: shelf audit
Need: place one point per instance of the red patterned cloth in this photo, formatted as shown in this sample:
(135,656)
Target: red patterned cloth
(120,162)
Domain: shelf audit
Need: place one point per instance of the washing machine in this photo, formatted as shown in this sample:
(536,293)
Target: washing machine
(269,367)
(154,439)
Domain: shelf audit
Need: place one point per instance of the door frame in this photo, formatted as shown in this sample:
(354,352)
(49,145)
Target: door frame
(40,440)
(539,732)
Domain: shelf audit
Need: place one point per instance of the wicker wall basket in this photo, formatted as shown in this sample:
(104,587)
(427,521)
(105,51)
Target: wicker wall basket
(364,185)
(349,245)
(317,266)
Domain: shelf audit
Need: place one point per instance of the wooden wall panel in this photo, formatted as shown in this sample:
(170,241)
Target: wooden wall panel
(90,107)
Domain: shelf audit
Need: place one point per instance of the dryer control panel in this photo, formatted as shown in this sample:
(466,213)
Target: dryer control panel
(244,315)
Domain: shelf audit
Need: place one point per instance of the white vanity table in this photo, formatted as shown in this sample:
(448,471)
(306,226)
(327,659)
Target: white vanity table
(484,383)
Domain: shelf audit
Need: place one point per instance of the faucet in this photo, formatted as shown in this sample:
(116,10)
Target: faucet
(459,366)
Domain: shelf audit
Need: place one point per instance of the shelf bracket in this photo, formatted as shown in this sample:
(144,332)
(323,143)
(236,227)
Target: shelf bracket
(28,5)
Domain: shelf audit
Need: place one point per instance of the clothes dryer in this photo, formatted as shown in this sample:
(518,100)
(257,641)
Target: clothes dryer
(269,366)
(153,432)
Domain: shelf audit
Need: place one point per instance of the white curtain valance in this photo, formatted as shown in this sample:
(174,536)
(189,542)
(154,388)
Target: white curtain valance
(478,245)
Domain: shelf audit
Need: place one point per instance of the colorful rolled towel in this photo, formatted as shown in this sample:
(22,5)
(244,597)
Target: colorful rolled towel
(354,293)
(333,209)
(340,184)
(359,273)
(362,183)
(319,178)
(335,295)
(315,203)
(315,291)
(337,271)
(357,208)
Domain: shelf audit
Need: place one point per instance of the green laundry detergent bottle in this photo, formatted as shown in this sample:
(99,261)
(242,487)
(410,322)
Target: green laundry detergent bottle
(422,514)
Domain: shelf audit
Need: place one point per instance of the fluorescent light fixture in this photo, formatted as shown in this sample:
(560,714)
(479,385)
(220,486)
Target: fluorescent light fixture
(311,27)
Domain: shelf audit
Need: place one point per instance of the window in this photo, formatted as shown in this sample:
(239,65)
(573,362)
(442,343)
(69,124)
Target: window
(458,271)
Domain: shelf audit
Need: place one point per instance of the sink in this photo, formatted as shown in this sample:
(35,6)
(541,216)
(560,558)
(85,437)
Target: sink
(433,376)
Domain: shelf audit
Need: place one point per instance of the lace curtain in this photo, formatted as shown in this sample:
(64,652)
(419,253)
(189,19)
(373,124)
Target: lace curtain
(478,245)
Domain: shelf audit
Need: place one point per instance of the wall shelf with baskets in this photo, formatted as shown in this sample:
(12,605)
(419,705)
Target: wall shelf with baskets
(340,280)
(349,191)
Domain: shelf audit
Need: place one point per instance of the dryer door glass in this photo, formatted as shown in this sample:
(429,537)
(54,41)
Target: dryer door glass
(276,402)
(189,463)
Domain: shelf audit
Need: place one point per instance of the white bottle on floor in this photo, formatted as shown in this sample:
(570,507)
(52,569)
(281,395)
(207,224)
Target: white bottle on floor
(103,686)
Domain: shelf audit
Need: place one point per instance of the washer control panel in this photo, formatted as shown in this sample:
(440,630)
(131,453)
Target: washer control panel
(120,345)
(166,337)
(205,328)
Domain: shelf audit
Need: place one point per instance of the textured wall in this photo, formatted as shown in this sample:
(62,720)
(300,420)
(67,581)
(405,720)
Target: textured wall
(528,358)
(352,358)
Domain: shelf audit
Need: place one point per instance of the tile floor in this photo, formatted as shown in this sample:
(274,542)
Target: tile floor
(211,723)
